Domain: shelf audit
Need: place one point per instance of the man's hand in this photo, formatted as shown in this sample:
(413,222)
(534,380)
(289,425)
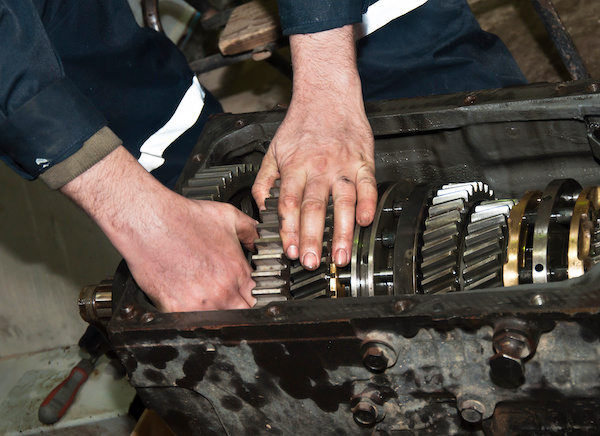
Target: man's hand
(324,146)
(186,255)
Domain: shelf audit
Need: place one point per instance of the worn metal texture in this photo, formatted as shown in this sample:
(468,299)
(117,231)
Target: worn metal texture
(511,139)
(296,366)
(561,39)
(403,364)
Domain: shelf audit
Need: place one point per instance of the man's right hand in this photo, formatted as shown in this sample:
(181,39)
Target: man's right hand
(186,255)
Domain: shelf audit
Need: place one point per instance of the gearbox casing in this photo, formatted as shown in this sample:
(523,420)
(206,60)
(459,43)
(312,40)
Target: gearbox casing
(403,363)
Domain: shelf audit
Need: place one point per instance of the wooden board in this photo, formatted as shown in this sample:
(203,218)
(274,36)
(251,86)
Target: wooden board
(251,25)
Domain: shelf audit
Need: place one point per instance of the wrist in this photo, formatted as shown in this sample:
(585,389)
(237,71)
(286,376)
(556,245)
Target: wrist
(324,64)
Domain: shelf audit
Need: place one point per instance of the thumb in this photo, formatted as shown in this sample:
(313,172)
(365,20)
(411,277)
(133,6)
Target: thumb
(245,229)
(265,179)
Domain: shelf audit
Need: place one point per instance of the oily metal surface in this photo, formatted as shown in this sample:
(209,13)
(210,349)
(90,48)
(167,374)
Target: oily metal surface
(276,368)
(296,367)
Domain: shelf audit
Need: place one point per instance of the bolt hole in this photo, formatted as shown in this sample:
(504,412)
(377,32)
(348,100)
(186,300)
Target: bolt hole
(402,305)
(274,311)
(147,317)
(537,300)
(539,267)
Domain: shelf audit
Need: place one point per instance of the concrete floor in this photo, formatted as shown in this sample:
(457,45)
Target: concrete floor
(49,249)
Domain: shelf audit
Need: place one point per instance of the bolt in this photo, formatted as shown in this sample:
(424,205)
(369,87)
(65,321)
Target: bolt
(513,343)
(377,357)
(506,369)
(365,413)
(470,99)
(472,411)
(240,123)
(593,87)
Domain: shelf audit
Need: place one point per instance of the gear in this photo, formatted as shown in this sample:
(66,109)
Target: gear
(443,235)
(485,245)
(219,183)
(277,278)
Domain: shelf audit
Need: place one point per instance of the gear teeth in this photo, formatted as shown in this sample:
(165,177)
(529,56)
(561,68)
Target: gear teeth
(485,245)
(277,278)
(218,183)
(442,237)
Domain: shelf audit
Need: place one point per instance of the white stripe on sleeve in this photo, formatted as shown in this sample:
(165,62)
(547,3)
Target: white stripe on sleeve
(381,13)
(185,116)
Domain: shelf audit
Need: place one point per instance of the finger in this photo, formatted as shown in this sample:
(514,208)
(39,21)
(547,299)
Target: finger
(265,179)
(245,228)
(312,221)
(343,192)
(246,291)
(291,193)
(366,189)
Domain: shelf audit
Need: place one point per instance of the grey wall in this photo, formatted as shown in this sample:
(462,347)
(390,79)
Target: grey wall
(49,250)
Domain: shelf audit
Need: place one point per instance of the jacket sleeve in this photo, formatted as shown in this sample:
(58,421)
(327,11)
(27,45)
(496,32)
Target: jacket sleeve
(47,128)
(310,16)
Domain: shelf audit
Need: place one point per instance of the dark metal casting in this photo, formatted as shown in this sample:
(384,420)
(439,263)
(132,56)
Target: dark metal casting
(494,361)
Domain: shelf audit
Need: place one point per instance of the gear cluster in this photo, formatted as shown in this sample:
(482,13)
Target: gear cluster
(427,240)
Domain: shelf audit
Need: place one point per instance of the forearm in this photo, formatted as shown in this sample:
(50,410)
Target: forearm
(168,240)
(113,192)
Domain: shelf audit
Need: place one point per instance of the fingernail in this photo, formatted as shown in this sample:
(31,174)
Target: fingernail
(309,260)
(364,218)
(341,257)
(292,252)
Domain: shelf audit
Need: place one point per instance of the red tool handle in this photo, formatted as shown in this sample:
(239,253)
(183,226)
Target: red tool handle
(60,399)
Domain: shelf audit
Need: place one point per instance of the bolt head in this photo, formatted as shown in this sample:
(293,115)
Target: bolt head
(364,413)
(472,410)
(513,343)
(375,359)
(507,369)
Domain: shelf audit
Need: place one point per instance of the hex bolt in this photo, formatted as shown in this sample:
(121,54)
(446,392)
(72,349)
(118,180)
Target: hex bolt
(365,413)
(512,346)
(377,356)
(472,410)
(507,369)
(512,342)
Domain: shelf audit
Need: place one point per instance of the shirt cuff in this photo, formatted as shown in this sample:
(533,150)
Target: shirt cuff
(100,145)
(48,128)
(312,16)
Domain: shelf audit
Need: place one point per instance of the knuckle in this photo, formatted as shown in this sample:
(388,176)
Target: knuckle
(289,202)
(346,201)
(367,180)
(314,204)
